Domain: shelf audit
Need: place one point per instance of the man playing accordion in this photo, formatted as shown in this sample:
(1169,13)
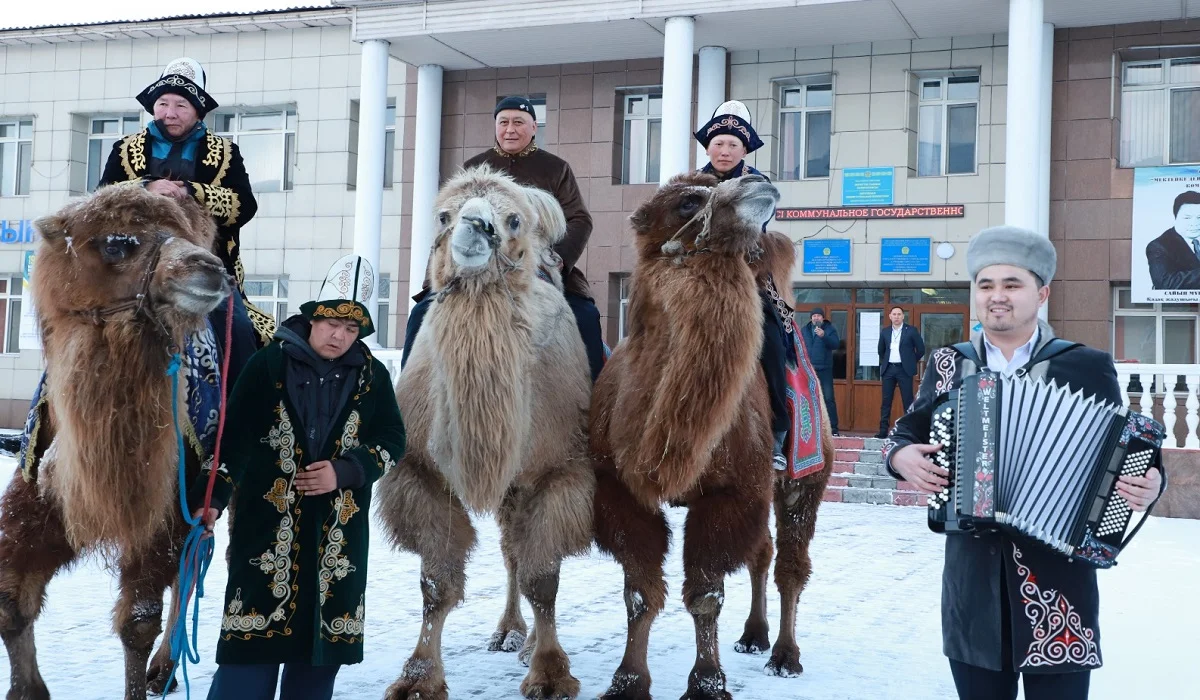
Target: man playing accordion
(1010,607)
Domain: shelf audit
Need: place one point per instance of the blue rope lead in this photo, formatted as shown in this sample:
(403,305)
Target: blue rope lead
(193,562)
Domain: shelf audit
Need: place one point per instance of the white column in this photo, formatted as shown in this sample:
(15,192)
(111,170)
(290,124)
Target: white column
(368,192)
(1022,169)
(677,97)
(426,165)
(710,90)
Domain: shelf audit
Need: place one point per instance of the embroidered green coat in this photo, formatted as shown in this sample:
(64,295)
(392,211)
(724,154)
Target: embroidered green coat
(298,564)
(222,186)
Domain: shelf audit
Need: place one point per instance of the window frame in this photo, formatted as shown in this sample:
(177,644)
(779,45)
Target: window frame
(121,118)
(389,154)
(11,297)
(803,84)
(383,310)
(623,286)
(19,140)
(270,304)
(1166,87)
(946,103)
(1160,315)
(290,125)
(648,93)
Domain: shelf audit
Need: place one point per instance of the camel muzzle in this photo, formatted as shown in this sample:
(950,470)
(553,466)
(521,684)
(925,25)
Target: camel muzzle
(474,236)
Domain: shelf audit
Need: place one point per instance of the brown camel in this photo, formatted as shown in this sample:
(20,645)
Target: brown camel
(495,398)
(681,415)
(122,279)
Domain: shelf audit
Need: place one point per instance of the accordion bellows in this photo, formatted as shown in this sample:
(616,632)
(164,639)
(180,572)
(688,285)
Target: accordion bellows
(1041,461)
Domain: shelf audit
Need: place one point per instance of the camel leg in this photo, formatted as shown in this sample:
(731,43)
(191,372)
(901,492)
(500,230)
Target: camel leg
(137,618)
(511,630)
(796,504)
(33,547)
(159,678)
(422,516)
(756,636)
(638,539)
(552,519)
(724,531)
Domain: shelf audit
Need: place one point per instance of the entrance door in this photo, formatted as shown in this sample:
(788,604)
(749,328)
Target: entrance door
(941,315)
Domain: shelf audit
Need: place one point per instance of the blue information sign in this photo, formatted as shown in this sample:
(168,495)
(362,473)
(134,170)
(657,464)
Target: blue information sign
(827,256)
(867,186)
(904,255)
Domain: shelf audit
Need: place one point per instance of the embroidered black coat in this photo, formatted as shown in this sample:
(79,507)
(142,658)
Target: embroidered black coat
(1052,603)
(298,564)
(221,185)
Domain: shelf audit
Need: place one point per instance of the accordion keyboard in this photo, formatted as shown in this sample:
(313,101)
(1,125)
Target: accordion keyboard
(942,433)
(1117,512)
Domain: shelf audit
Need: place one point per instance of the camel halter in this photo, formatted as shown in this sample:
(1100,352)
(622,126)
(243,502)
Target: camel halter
(673,248)
(505,263)
(138,302)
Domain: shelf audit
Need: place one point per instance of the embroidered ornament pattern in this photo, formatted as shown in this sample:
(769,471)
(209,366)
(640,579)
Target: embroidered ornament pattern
(1059,635)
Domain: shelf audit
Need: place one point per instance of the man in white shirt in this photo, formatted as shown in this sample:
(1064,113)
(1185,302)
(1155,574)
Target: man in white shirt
(900,349)
(993,582)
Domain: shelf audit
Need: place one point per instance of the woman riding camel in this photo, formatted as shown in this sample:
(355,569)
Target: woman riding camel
(728,138)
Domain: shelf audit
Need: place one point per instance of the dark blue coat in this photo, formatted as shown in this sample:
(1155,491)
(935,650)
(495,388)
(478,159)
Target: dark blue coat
(820,350)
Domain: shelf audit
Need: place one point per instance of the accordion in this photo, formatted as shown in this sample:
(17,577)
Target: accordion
(1038,460)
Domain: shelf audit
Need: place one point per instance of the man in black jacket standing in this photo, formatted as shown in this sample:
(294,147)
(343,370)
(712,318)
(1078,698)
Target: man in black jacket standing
(1174,257)
(820,340)
(900,349)
(1009,607)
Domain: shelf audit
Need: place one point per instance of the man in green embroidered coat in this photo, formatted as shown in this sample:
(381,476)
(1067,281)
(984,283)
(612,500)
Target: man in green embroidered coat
(311,425)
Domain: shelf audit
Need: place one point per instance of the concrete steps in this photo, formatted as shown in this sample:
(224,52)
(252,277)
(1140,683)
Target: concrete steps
(859,476)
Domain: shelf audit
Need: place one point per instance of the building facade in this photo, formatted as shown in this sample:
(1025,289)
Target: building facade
(891,129)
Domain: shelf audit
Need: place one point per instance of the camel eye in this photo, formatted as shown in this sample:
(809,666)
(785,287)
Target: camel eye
(514,222)
(116,247)
(690,205)
(443,218)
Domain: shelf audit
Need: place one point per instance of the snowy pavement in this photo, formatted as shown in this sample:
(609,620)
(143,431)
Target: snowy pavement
(868,622)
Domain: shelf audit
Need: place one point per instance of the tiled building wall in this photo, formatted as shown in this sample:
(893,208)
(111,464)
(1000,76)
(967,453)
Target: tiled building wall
(1091,205)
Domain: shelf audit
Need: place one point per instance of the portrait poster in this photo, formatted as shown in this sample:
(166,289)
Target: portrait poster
(1166,235)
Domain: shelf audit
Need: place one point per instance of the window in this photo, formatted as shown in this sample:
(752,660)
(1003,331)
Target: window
(539,105)
(10,313)
(389,145)
(1160,101)
(103,133)
(384,310)
(16,156)
(1154,333)
(623,313)
(267,140)
(805,123)
(642,138)
(269,296)
(947,129)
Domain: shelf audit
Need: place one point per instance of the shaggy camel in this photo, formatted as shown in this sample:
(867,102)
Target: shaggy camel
(681,415)
(495,398)
(122,278)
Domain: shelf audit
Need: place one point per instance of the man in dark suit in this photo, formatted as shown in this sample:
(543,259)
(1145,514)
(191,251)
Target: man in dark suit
(1174,257)
(900,349)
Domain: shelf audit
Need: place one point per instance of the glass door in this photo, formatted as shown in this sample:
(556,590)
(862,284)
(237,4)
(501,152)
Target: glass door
(939,329)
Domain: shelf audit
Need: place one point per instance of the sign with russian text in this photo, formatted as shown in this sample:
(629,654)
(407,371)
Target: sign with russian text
(896,211)
(904,255)
(1165,260)
(16,232)
(827,256)
(863,186)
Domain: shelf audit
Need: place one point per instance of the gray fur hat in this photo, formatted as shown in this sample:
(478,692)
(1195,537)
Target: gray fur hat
(1009,245)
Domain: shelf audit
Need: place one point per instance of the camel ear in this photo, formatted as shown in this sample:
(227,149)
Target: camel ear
(52,227)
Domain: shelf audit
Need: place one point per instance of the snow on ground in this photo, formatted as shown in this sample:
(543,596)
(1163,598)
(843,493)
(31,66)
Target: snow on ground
(868,622)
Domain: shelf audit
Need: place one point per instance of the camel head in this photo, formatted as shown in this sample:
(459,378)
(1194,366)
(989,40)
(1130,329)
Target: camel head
(484,221)
(122,242)
(695,212)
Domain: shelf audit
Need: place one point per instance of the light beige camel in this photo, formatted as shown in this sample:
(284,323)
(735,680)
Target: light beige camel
(122,278)
(495,397)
